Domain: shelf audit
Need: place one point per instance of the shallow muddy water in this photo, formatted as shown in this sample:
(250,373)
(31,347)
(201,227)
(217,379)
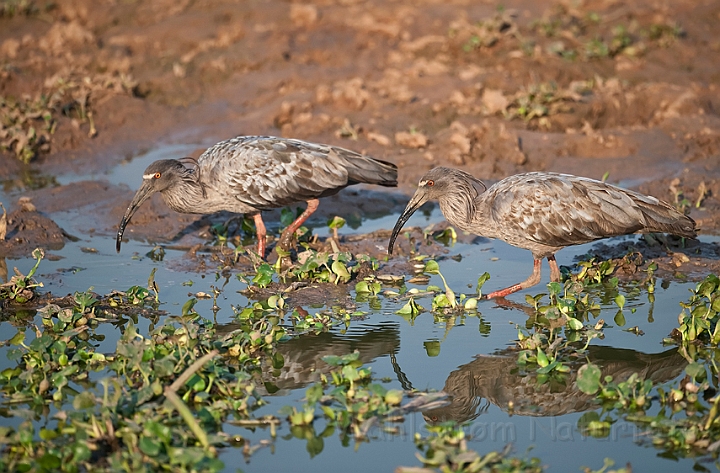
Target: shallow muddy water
(463,355)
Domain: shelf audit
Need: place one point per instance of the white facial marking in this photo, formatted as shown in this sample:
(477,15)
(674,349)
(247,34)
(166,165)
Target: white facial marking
(422,183)
(148,176)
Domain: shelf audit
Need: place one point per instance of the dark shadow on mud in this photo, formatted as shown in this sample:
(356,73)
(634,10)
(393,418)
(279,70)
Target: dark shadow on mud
(675,256)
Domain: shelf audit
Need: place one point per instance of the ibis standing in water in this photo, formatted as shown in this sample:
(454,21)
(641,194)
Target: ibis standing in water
(542,212)
(249,174)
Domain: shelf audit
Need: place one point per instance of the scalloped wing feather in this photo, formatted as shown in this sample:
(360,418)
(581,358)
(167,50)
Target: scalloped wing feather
(266,172)
(556,210)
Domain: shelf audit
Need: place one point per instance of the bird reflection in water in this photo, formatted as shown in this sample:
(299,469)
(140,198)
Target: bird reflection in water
(303,364)
(492,379)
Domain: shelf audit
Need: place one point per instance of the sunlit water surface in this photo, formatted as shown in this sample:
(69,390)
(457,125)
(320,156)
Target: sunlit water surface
(395,348)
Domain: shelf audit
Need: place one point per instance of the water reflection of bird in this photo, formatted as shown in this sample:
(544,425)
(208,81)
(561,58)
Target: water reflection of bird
(302,356)
(494,379)
(249,174)
(542,212)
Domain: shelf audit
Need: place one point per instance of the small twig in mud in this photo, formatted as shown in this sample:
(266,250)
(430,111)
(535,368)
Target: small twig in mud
(268,420)
(183,410)
(703,191)
(3,223)
(93,131)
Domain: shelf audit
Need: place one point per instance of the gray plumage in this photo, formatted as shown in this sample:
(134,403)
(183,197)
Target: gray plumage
(543,212)
(249,174)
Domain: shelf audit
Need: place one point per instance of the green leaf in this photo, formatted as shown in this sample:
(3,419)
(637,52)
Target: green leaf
(350,373)
(484,277)
(441,301)
(620,301)
(588,378)
(542,358)
(159,431)
(574,324)
(314,393)
(18,338)
(336,222)
(149,446)
(432,347)
(187,308)
(620,318)
(81,452)
(411,308)
(471,303)
(47,434)
(287,216)
(264,275)
(549,367)
(695,369)
(49,462)
(555,288)
(341,271)
(432,267)
(41,343)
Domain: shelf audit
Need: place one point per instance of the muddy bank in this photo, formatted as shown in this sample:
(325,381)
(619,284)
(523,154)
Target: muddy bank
(594,88)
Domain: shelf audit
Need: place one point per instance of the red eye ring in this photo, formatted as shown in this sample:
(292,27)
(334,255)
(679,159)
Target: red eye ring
(430,183)
(157,175)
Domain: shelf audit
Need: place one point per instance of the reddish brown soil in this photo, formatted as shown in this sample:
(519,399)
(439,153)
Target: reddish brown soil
(421,84)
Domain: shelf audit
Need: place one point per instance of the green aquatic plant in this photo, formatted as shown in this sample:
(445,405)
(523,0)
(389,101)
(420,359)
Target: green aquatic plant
(351,403)
(553,340)
(160,403)
(630,395)
(21,288)
(447,299)
(685,419)
(699,316)
(411,309)
(446,449)
(334,224)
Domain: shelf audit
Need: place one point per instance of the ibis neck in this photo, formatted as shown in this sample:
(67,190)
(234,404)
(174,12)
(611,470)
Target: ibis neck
(186,197)
(459,208)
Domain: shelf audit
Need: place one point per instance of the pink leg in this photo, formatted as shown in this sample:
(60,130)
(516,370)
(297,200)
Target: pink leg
(531,281)
(261,232)
(554,270)
(289,232)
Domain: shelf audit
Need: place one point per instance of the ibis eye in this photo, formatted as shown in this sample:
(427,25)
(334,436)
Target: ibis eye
(157,175)
(430,183)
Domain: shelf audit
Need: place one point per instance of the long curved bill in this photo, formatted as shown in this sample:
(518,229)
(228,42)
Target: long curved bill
(417,200)
(141,196)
